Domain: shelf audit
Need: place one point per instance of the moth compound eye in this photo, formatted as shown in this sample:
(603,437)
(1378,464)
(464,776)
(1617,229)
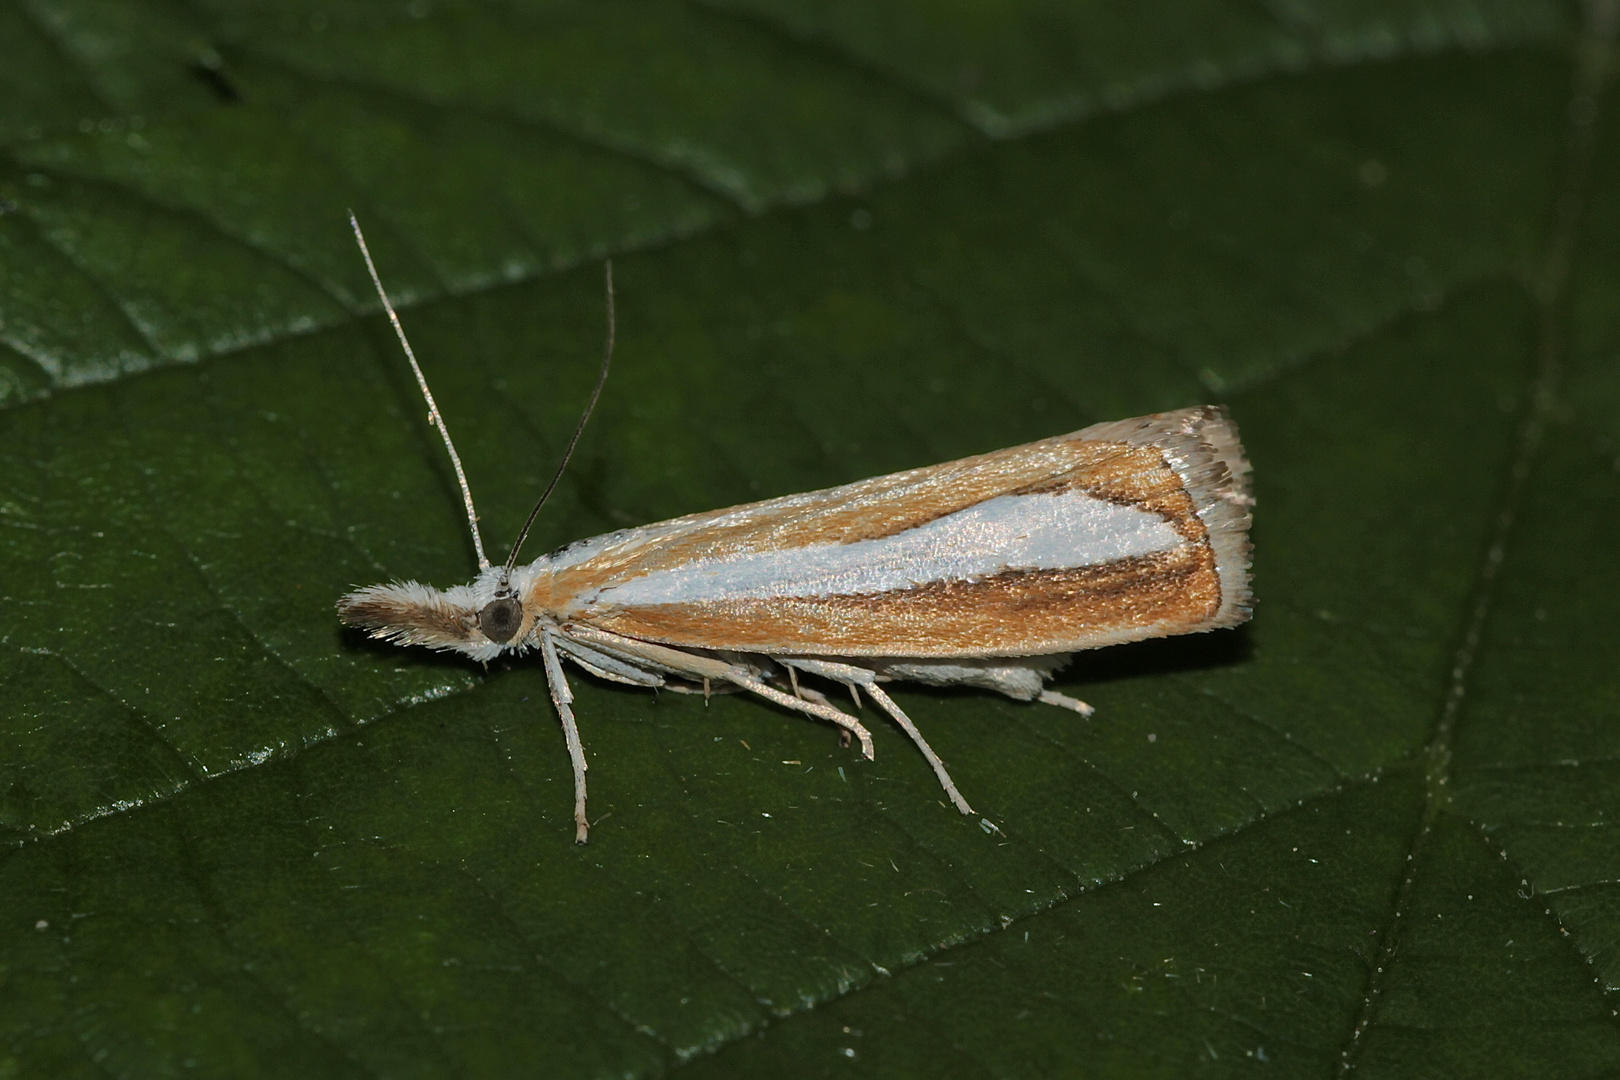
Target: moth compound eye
(500,619)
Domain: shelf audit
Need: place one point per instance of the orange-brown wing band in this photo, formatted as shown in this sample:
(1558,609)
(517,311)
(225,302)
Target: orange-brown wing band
(1018,613)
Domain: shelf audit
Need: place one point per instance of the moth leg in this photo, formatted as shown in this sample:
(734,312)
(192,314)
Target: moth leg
(607,667)
(809,705)
(1022,679)
(679,688)
(821,699)
(809,693)
(563,697)
(854,677)
(1064,701)
(694,666)
(887,704)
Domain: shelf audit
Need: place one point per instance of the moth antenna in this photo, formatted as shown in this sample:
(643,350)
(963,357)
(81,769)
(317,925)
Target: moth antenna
(421,380)
(579,429)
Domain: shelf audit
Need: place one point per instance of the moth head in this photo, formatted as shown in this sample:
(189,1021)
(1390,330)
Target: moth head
(481,619)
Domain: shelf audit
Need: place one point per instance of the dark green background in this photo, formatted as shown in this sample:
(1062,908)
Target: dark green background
(1371,831)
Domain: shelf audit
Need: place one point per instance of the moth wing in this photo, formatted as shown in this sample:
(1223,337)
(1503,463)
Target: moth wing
(1121,531)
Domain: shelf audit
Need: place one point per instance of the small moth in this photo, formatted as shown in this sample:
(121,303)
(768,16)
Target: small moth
(986,572)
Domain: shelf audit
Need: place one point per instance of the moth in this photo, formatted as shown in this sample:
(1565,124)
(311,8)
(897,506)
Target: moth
(987,572)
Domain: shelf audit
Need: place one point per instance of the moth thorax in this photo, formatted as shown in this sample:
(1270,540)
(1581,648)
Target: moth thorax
(500,619)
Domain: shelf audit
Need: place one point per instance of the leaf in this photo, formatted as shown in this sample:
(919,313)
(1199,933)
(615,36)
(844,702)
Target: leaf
(1370,831)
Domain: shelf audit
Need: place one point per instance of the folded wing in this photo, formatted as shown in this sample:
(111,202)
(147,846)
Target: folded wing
(1123,531)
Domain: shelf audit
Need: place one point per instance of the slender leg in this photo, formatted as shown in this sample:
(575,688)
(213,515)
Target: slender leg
(563,697)
(604,666)
(887,705)
(810,693)
(1064,701)
(813,708)
(693,666)
(853,676)
(1021,680)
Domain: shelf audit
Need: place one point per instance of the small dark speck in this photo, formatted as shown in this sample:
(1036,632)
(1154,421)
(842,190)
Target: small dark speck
(216,81)
(8,207)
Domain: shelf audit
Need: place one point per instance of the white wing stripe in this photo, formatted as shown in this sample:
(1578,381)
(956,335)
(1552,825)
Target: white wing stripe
(1011,532)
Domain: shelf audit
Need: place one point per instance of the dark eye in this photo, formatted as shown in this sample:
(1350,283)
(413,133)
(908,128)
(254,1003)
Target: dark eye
(500,619)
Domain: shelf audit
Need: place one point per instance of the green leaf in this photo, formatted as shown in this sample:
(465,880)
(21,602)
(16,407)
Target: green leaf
(1371,831)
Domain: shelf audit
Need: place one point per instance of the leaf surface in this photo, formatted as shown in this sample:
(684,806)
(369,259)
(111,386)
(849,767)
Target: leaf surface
(1369,831)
